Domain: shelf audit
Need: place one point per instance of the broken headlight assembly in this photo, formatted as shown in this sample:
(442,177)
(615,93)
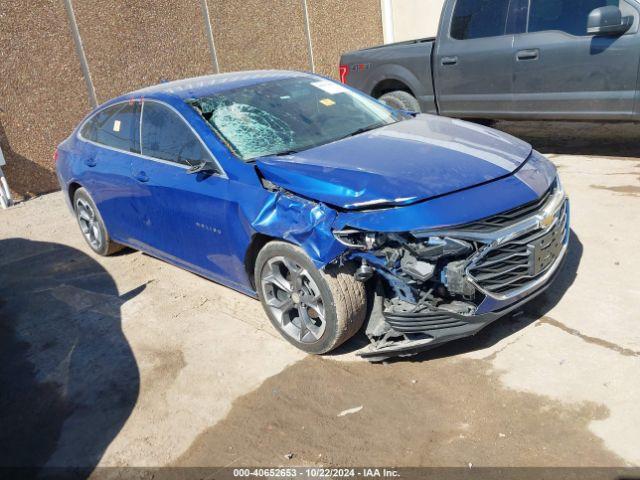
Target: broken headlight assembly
(360,239)
(431,262)
(420,281)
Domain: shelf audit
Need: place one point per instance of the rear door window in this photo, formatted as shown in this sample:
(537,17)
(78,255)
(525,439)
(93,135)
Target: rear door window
(115,126)
(479,19)
(166,136)
(568,16)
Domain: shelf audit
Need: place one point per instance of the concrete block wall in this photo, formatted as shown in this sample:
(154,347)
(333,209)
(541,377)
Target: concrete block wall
(137,43)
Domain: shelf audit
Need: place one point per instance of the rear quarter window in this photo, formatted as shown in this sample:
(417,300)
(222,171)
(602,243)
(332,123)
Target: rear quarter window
(115,126)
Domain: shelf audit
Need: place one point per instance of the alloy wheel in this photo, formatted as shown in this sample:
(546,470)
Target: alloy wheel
(294,299)
(89,223)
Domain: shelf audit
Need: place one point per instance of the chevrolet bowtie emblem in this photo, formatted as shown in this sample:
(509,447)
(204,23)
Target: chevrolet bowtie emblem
(547,220)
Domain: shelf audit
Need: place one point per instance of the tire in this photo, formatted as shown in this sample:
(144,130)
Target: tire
(331,320)
(91,224)
(401,100)
(485,122)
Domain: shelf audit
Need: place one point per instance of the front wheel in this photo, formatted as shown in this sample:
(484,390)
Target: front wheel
(312,309)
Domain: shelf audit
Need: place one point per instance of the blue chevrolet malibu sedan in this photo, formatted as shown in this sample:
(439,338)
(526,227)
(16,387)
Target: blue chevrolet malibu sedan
(336,211)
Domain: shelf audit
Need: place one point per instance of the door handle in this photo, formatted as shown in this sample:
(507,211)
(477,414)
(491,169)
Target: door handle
(142,177)
(90,162)
(528,54)
(449,60)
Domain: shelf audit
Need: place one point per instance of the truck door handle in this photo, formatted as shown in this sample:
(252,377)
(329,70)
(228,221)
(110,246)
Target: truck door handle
(142,177)
(528,54)
(449,60)
(90,162)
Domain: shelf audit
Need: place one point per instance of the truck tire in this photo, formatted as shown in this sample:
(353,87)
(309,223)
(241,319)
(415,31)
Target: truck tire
(314,310)
(401,100)
(92,226)
(485,122)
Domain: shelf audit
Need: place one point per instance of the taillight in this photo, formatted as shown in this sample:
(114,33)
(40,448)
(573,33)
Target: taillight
(344,72)
(55,155)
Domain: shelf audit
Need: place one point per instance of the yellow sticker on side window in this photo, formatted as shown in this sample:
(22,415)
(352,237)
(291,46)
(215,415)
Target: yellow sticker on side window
(327,102)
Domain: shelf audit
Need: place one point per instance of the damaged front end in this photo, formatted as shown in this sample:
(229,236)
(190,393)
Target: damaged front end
(435,286)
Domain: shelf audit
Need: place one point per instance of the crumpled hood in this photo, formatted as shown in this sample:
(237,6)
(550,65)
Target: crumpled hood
(402,163)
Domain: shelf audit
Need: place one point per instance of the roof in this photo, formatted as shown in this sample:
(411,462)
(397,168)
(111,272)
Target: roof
(211,84)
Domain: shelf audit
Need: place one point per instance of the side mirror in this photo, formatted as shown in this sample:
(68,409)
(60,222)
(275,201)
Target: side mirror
(608,21)
(206,166)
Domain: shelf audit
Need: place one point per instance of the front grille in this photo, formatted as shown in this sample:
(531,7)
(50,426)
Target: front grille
(505,219)
(512,265)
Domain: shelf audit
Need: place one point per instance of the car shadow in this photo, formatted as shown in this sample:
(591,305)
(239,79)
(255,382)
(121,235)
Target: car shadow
(502,328)
(68,377)
(577,138)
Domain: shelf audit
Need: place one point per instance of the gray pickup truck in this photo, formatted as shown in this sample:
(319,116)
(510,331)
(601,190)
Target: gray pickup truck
(513,59)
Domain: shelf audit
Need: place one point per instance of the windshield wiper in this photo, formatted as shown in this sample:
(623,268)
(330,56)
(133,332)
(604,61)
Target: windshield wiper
(286,152)
(364,129)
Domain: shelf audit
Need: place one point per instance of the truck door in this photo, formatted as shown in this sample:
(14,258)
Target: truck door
(473,67)
(562,72)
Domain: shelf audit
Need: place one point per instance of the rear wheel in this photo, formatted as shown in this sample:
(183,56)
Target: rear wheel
(401,100)
(91,224)
(312,309)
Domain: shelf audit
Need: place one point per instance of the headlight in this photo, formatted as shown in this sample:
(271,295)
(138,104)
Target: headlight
(559,186)
(360,239)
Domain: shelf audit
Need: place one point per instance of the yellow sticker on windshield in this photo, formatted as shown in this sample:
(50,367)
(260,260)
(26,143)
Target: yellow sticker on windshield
(327,102)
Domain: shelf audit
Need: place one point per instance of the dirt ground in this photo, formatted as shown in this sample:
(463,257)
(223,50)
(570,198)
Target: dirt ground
(409,415)
(129,361)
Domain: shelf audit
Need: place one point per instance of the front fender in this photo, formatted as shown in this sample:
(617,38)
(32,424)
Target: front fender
(283,215)
(302,222)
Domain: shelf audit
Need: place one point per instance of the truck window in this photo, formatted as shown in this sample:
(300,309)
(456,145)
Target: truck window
(568,16)
(479,19)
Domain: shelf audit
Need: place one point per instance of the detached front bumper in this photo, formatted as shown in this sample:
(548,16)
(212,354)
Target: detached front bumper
(513,264)
(457,327)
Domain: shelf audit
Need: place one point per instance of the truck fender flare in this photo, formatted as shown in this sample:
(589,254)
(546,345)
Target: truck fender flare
(394,72)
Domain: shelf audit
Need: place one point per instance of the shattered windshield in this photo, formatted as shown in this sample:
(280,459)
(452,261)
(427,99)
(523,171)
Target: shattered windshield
(289,115)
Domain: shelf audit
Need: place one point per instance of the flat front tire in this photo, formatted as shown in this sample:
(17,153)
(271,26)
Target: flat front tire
(91,224)
(315,310)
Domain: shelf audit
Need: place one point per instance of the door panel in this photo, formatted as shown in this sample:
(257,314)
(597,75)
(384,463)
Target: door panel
(475,80)
(110,142)
(182,217)
(574,76)
(473,66)
(111,188)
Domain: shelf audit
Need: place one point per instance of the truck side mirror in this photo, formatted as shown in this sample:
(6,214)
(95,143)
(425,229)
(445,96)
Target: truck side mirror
(608,21)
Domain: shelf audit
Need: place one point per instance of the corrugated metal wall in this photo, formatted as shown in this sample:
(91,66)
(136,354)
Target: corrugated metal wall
(129,45)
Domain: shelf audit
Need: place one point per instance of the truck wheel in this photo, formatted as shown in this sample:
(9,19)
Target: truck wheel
(91,224)
(485,122)
(312,309)
(401,100)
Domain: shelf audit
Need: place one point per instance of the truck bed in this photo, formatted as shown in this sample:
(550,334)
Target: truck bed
(396,66)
